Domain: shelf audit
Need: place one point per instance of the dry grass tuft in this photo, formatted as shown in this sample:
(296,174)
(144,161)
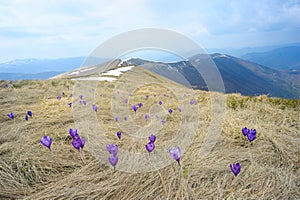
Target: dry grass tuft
(270,165)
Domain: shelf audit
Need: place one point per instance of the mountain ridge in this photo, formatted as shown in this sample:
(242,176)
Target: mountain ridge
(239,76)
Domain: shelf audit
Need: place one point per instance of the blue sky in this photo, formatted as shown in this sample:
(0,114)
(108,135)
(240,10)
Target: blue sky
(66,28)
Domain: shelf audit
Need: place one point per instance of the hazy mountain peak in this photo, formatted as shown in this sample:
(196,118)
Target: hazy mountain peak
(280,58)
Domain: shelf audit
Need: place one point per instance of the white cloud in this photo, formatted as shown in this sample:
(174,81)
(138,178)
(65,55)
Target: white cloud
(47,17)
(291,10)
(264,15)
(66,27)
(60,23)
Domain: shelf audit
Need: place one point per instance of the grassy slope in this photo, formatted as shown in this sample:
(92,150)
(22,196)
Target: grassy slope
(270,166)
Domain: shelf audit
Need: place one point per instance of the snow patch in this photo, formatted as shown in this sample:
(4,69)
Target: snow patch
(113,72)
(81,70)
(118,71)
(73,73)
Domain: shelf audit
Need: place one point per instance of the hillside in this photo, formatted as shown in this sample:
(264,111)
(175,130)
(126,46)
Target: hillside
(270,164)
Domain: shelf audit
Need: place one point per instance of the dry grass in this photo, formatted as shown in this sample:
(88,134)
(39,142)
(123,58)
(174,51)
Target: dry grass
(270,166)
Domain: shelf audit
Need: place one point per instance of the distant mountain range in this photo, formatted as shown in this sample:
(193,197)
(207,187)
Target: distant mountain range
(42,68)
(40,65)
(281,58)
(276,74)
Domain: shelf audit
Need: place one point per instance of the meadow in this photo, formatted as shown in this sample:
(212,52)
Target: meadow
(270,165)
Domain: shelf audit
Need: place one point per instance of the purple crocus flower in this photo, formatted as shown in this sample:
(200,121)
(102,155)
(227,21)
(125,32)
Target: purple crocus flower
(170,111)
(84,102)
(245,131)
(134,108)
(71,95)
(26,117)
(112,149)
(95,108)
(77,142)
(147,96)
(163,122)
(116,119)
(251,135)
(160,102)
(11,115)
(46,141)
(179,109)
(73,132)
(80,96)
(152,138)
(235,168)
(126,101)
(63,93)
(29,113)
(140,104)
(150,147)
(191,101)
(125,118)
(113,160)
(70,104)
(176,154)
(147,116)
(165,95)
(119,134)
(58,97)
